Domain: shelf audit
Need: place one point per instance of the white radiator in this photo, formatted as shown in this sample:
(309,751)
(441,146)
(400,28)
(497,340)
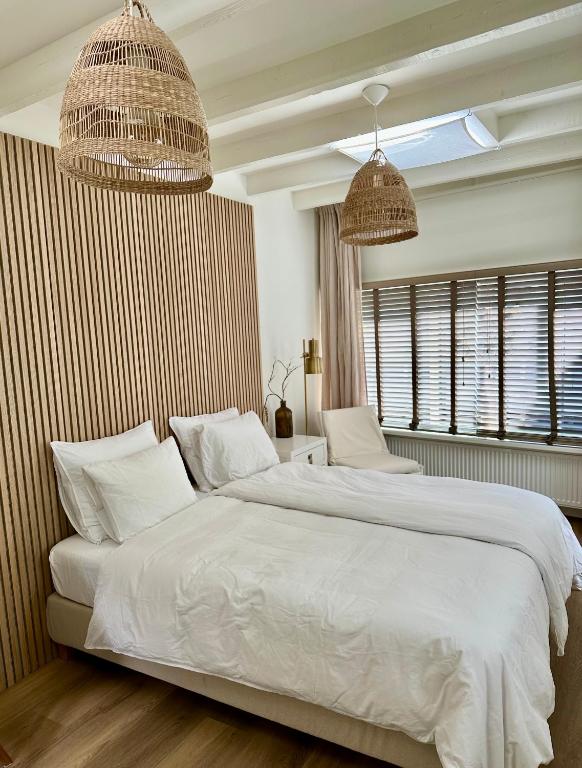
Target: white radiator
(553,473)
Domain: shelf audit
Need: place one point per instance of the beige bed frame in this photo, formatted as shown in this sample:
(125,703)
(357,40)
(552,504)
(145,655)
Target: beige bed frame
(67,625)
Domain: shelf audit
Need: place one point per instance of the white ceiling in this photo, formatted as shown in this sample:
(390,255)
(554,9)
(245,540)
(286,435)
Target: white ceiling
(221,38)
(281,79)
(264,33)
(28,26)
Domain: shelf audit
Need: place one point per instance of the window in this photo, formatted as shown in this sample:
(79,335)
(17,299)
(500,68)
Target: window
(526,373)
(480,354)
(433,355)
(568,352)
(395,348)
(476,361)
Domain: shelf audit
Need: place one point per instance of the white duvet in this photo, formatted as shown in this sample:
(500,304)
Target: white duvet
(414,603)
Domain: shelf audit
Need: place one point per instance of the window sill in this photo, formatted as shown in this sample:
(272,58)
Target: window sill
(490,442)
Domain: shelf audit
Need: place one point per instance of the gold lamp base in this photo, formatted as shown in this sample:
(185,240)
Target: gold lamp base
(311,365)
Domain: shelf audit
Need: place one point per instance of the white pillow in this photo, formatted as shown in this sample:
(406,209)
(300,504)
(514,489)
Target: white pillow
(235,449)
(141,490)
(77,497)
(187,429)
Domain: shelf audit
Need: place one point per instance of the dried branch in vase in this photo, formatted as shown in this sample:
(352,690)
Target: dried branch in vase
(287,369)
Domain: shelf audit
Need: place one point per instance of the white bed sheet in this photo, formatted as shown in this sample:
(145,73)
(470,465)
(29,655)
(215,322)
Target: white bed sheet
(75,565)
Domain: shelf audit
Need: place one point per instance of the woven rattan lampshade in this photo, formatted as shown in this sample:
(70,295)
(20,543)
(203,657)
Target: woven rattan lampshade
(131,118)
(379,207)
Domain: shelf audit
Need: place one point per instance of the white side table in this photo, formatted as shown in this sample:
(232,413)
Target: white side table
(305,448)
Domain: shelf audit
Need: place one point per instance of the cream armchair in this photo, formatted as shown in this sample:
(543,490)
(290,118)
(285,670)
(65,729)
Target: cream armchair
(354,439)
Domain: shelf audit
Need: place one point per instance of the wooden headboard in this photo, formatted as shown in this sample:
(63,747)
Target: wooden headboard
(113,309)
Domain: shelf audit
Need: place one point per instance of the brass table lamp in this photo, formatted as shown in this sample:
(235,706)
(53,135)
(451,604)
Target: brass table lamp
(311,364)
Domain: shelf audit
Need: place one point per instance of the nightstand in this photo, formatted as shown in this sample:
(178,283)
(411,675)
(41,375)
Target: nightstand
(305,448)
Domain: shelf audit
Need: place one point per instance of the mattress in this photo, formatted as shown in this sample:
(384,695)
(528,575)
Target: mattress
(75,565)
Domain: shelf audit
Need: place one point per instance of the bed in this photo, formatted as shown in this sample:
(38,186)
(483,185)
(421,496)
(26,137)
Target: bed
(68,622)
(290,594)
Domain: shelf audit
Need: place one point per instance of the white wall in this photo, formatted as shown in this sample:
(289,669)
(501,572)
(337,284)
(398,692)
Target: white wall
(288,280)
(288,285)
(523,221)
(230,185)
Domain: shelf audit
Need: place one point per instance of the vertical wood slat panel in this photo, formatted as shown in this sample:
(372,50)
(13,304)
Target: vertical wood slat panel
(113,309)
(33,376)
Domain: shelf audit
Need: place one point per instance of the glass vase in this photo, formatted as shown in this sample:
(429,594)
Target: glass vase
(284,421)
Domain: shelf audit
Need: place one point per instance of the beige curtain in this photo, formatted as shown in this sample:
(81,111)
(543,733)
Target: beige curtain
(344,382)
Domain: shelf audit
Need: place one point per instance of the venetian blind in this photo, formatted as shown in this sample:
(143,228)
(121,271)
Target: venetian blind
(387,353)
(368,326)
(476,358)
(483,355)
(433,344)
(526,383)
(568,352)
(394,335)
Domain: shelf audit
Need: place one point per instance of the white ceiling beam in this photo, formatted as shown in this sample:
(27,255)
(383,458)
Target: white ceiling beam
(456,26)
(528,125)
(557,149)
(430,35)
(307,199)
(548,120)
(314,197)
(317,170)
(44,72)
(554,66)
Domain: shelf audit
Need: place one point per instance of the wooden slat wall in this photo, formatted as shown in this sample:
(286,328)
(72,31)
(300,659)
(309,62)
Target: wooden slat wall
(113,309)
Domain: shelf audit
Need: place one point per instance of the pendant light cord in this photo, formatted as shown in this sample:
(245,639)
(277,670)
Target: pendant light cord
(376,124)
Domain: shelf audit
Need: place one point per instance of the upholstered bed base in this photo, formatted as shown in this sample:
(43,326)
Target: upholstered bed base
(68,622)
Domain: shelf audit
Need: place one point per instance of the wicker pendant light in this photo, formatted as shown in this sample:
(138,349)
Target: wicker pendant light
(131,118)
(379,207)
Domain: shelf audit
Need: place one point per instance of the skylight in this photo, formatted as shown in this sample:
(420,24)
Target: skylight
(425,142)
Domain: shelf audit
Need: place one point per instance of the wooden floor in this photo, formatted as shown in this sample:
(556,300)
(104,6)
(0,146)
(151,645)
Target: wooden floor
(86,713)
(566,722)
